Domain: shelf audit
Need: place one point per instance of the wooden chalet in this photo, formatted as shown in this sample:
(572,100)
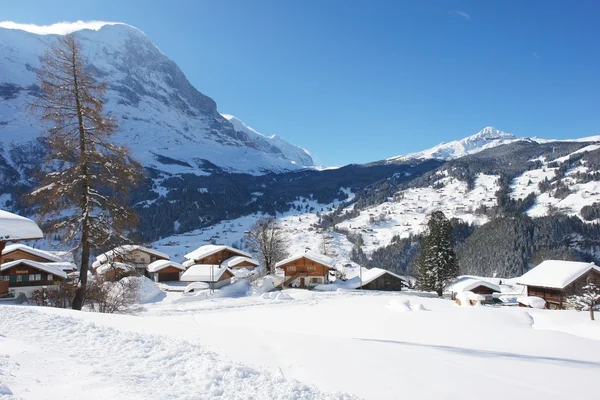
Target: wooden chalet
(217,254)
(26,275)
(554,281)
(215,275)
(305,270)
(164,271)
(138,257)
(114,271)
(380,279)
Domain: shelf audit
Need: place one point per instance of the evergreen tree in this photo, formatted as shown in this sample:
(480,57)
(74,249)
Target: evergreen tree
(437,265)
(589,300)
(85,194)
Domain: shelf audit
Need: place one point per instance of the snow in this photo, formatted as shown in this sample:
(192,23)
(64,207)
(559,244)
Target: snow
(60,28)
(14,227)
(555,273)
(318,258)
(162,264)
(46,267)
(532,301)
(28,249)
(466,284)
(103,268)
(314,346)
(127,249)
(146,288)
(209,249)
(204,273)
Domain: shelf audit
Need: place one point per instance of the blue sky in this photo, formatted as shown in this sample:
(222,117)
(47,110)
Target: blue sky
(358,81)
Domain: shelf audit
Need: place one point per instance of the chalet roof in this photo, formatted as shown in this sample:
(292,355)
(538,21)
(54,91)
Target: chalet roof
(233,261)
(203,273)
(127,249)
(555,274)
(467,284)
(46,267)
(15,227)
(63,265)
(318,258)
(116,265)
(162,264)
(210,249)
(370,275)
(28,249)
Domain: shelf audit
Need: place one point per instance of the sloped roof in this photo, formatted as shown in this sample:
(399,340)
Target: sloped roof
(555,274)
(204,273)
(318,258)
(28,249)
(210,249)
(466,284)
(15,227)
(109,266)
(63,265)
(46,267)
(370,275)
(128,248)
(233,261)
(162,264)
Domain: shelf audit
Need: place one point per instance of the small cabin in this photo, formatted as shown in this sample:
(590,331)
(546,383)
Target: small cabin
(555,280)
(380,279)
(475,286)
(138,257)
(215,275)
(164,271)
(239,262)
(27,276)
(305,270)
(211,254)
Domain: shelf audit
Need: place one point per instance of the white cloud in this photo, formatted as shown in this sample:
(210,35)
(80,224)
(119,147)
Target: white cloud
(60,28)
(461,14)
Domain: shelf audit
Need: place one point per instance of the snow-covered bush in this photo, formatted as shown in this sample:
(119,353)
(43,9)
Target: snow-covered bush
(589,300)
(111,297)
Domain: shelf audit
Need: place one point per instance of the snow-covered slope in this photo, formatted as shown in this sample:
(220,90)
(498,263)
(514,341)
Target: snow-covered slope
(167,123)
(487,138)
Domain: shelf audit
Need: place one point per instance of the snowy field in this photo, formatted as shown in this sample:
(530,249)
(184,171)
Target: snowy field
(338,345)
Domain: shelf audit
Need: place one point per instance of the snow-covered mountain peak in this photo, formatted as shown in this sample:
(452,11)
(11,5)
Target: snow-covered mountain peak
(486,138)
(59,28)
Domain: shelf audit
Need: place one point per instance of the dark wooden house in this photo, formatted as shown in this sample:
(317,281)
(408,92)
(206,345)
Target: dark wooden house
(305,270)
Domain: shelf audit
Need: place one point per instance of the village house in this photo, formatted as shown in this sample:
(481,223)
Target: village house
(115,270)
(26,276)
(473,285)
(164,271)
(211,254)
(14,228)
(380,279)
(20,251)
(138,257)
(216,276)
(555,280)
(305,270)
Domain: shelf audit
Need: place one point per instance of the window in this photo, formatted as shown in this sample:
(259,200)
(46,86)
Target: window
(19,278)
(35,277)
(314,280)
(292,268)
(8,259)
(49,277)
(312,268)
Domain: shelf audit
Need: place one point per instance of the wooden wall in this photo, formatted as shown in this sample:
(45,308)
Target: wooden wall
(305,266)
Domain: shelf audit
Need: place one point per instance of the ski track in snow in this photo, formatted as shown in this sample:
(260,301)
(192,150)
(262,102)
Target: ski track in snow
(156,366)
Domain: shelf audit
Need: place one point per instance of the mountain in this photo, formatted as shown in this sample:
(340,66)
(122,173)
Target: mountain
(167,123)
(487,138)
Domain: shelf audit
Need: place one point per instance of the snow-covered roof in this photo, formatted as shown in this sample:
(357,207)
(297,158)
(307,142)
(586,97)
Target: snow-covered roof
(63,265)
(233,261)
(370,275)
(162,264)
(467,284)
(188,263)
(46,267)
(555,274)
(15,227)
(204,273)
(117,265)
(28,249)
(318,258)
(127,249)
(209,249)
(532,301)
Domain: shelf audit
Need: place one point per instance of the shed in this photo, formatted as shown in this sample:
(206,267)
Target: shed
(476,286)
(380,279)
(237,262)
(556,280)
(215,275)
(165,271)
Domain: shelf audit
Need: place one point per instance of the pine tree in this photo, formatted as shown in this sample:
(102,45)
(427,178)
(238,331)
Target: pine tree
(588,301)
(437,265)
(84,193)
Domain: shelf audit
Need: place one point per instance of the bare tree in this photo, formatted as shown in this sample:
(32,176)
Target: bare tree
(267,238)
(84,191)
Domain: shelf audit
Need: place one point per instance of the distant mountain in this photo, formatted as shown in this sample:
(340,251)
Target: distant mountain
(487,138)
(167,123)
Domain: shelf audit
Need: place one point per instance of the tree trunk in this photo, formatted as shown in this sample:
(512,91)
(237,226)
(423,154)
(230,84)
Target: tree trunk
(592,313)
(85,245)
(440,291)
